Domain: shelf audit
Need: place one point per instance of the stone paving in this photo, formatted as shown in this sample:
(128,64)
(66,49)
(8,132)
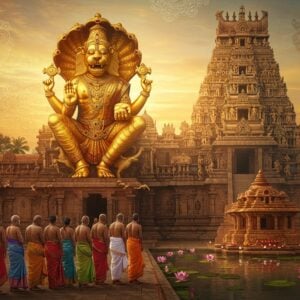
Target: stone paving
(154,287)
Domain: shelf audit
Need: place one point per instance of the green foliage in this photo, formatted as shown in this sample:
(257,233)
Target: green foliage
(235,288)
(192,272)
(183,294)
(4,143)
(289,258)
(230,276)
(18,145)
(204,277)
(204,261)
(190,257)
(280,283)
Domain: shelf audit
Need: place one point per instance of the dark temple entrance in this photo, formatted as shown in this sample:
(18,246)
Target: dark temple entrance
(95,204)
(244,161)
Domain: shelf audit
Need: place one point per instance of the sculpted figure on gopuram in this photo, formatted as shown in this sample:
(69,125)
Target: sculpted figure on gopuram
(97,61)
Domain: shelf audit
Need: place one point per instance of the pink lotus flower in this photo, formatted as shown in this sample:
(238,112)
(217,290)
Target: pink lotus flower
(180,252)
(210,257)
(167,269)
(170,254)
(181,276)
(161,259)
(192,250)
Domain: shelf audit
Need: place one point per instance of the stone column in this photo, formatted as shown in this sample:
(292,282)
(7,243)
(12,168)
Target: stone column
(1,210)
(248,224)
(238,222)
(212,205)
(59,208)
(229,177)
(9,201)
(151,161)
(177,203)
(275,222)
(111,198)
(258,223)
(212,198)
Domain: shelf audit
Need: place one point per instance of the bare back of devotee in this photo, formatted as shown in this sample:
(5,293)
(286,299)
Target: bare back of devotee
(133,229)
(99,231)
(52,233)
(116,229)
(82,234)
(67,233)
(34,232)
(13,231)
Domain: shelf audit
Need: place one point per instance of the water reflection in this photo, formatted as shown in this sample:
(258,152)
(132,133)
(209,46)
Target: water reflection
(220,277)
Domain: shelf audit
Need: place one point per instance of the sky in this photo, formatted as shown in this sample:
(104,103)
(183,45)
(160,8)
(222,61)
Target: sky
(176,38)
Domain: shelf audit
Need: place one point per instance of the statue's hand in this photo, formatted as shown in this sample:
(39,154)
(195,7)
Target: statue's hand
(122,112)
(49,84)
(70,93)
(146,85)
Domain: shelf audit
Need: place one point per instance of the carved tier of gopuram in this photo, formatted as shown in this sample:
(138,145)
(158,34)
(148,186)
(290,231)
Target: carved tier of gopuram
(243,121)
(264,221)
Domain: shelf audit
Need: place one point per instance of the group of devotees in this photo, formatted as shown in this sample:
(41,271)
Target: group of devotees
(52,252)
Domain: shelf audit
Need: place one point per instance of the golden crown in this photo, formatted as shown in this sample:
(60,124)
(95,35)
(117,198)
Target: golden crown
(97,35)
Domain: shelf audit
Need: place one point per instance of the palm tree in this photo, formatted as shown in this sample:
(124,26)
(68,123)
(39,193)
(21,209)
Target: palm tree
(4,143)
(19,145)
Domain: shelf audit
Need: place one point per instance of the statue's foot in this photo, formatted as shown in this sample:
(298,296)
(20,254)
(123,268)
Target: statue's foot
(104,171)
(82,170)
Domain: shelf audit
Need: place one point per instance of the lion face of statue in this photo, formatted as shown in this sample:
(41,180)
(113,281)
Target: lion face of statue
(97,59)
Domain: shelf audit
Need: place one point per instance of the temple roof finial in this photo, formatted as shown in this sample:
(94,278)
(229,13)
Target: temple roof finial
(260,179)
(242,13)
(234,16)
(250,16)
(227,16)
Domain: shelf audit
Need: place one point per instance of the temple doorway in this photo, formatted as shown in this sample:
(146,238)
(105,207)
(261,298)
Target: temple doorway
(94,205)
(244,161)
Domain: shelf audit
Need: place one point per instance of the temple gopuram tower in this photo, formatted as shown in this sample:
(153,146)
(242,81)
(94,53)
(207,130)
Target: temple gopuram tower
(243,119)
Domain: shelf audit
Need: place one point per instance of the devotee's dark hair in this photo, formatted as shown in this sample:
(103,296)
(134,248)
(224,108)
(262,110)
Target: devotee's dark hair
(135,217)
(67,221)
(52,219)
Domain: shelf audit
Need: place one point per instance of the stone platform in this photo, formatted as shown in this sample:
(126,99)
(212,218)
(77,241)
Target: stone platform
(154,287)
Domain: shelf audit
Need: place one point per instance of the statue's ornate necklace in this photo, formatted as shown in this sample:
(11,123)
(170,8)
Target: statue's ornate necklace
(97,90)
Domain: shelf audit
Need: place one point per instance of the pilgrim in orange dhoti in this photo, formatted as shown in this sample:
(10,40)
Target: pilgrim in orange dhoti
(35,264)
(135,259)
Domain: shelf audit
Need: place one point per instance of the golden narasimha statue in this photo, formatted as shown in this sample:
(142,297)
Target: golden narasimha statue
(97,60)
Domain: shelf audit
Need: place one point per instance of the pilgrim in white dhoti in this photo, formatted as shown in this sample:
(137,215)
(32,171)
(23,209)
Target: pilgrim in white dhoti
(119,260)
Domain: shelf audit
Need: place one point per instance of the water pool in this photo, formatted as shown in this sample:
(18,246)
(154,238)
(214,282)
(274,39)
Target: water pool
(215,276)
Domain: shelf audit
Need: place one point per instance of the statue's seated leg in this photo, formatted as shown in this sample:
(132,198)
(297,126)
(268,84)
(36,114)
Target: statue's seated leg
(68,141)
(120,143)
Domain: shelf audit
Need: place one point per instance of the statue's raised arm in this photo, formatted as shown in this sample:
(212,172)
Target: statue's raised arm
(97,61)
